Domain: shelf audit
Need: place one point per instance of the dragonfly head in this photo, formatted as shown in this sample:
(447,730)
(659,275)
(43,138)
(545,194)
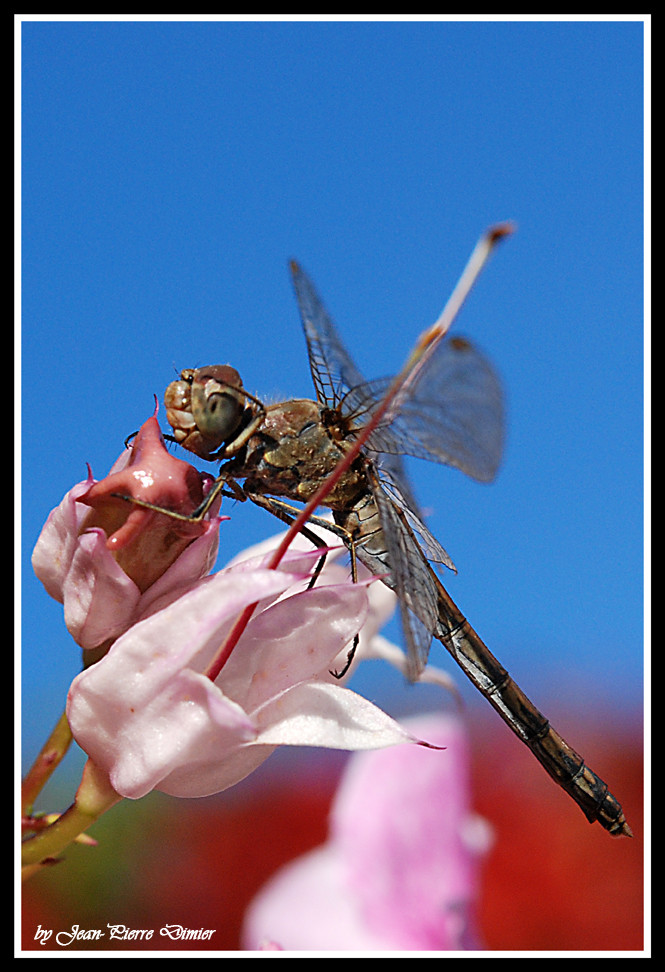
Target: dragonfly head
(205,408)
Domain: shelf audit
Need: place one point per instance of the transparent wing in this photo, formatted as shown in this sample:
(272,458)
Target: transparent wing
(410,577)
(396,491)
(453,414)
(333,369)
(393,479)
(393,476)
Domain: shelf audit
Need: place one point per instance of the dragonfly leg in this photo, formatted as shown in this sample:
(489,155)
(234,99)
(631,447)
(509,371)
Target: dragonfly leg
(288,514)
(218,489)
(165,436)
(354,647)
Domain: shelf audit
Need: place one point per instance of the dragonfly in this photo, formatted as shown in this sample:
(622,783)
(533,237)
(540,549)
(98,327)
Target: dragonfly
(447,407)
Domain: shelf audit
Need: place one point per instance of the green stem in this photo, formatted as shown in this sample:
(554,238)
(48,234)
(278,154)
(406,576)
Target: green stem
(49,757)
(94,797)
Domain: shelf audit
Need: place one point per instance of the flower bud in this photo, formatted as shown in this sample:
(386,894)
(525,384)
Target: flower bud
(105,559)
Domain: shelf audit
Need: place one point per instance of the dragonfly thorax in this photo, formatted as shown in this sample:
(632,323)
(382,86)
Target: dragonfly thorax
(292,453)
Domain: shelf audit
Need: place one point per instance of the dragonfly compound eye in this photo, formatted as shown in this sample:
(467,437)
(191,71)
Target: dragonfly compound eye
(217,402)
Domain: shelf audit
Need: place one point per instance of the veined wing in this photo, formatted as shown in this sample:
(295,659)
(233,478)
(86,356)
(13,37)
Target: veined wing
(333,369)
(410,576)
(399,492)
(452,414)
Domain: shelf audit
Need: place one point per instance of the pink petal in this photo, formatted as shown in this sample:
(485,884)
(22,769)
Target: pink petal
(58,539)
(178,738)
(400,820)
(293,640)
(99,598)
(306,906)
(142,714)
(399,870)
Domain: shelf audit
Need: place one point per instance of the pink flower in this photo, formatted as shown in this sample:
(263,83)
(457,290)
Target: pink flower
(105,560)
(382,601)
(400,869)
(149,715)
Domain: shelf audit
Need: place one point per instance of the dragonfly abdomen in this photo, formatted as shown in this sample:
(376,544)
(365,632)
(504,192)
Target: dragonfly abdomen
(563,764)
(451,628)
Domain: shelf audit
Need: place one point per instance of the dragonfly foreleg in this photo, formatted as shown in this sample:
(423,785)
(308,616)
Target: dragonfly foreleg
(198,514)
(165,436)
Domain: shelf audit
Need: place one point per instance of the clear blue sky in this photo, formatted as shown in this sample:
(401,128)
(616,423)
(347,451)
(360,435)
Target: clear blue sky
(170,170)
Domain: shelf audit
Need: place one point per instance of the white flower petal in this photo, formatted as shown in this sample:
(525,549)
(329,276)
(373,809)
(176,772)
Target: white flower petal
(184,728)
(320,714)
(145,709)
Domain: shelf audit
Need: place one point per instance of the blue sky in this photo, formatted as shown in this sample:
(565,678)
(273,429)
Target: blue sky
(170,170)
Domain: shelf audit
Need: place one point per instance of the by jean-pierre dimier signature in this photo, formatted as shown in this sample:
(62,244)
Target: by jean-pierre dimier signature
(120,933)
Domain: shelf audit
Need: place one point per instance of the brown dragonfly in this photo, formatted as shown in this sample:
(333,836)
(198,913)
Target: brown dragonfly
(447,408)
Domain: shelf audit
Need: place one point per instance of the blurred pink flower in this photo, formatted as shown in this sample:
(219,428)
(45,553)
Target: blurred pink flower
(105,560)
(400,869)
(149,715)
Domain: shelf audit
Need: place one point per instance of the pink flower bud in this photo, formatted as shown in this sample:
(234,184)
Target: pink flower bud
(106,559)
